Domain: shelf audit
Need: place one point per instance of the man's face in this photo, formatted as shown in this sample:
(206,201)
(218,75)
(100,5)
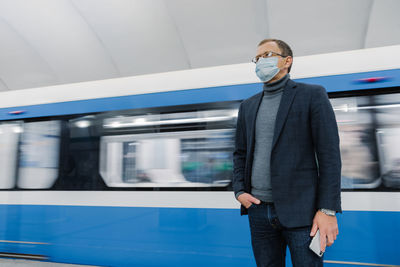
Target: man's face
(283,62)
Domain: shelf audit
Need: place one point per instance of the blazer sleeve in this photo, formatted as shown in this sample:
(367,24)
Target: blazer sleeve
(239,154)
(326,143)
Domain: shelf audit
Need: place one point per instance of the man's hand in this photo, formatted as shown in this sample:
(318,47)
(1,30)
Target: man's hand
(328,229)
(246,200)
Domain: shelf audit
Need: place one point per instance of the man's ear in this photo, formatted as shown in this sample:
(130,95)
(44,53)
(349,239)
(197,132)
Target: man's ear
(288,61)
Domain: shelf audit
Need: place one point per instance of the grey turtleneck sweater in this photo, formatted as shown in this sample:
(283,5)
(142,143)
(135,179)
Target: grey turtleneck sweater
(264,132)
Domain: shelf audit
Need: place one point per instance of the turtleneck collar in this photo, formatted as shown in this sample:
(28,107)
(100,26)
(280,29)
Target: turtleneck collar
(277,85)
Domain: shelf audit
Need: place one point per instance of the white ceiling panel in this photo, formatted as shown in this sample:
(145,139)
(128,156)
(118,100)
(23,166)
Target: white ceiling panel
(315,26)
(3,86)
(49,42)
(384,24)
(20,62)
(216,32)
(140,36)
(61,37)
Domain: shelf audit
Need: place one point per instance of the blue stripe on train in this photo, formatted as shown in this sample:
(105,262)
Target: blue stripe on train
(332,83)
(132,236)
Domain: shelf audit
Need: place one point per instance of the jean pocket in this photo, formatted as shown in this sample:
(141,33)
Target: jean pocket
(252,206)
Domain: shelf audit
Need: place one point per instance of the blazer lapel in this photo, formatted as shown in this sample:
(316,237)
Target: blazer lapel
(287,98)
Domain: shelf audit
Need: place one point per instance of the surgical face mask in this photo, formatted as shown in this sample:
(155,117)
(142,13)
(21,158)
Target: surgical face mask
(266,68)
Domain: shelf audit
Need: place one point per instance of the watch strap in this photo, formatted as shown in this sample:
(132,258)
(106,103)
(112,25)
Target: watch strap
(328,212)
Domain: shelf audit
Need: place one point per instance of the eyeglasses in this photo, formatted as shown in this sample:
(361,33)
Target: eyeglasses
(265,55)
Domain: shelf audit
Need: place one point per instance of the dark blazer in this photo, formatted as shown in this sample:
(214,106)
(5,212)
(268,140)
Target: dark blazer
(305,157)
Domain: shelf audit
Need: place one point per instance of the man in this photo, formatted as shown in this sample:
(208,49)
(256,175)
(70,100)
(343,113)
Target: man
(287,163)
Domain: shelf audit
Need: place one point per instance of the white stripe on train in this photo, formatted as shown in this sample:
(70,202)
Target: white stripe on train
(355,201)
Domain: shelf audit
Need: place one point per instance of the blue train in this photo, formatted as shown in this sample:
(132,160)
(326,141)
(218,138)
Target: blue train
(137,171)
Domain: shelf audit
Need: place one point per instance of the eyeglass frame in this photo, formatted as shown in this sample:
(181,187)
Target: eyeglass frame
(265,55)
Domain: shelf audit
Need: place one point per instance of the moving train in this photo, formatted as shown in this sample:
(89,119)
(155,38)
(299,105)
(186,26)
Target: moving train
(137,171)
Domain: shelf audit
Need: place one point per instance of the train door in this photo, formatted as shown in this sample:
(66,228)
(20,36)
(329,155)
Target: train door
(29,158)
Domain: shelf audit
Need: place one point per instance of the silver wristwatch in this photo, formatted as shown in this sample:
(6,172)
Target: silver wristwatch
(328,212)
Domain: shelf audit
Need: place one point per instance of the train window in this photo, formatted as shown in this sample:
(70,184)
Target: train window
(387,109)
(39,154)
(9,135)
(360,165)
(178,157)
(369,129)
(183,159)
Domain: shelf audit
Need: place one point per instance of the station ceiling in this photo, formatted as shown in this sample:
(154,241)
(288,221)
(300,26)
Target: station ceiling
(50,42)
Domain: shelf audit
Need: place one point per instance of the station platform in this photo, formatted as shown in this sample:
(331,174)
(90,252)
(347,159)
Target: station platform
(30,263)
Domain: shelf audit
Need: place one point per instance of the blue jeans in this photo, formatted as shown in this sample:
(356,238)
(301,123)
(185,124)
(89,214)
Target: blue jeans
(269,240)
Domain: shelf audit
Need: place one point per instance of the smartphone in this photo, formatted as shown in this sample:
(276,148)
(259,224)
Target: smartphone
(315,245)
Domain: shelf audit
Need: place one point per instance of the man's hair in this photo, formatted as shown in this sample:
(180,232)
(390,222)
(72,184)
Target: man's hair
(284,47)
